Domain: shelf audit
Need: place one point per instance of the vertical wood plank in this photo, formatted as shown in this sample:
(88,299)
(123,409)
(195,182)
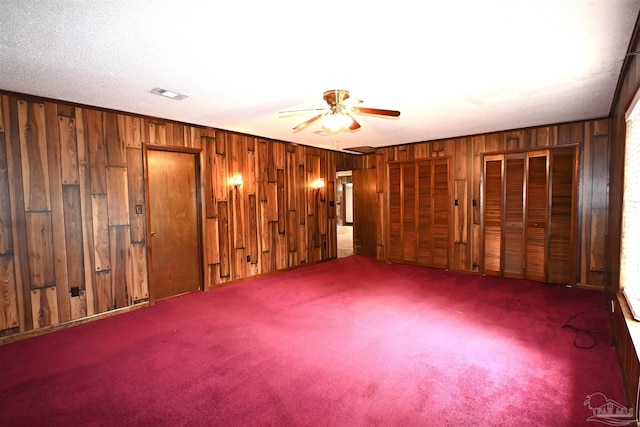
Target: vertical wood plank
(220,178)
(6,241)
(210,202)
(213,244)
(117,197)
(103,291)
(281,253)
(130,127)
(157,134)
(8,294)
(57,212)
(68,150)
(2,128)
(292,221)
(169,135)
(135,192)
(44,307)
(96,150)
(239,264)
(40,247)
(224,241)
(78,306)
(121,265)
(253,229)
(238,218)
(138,286)
(73,235)
(598,231)
(281,205)
(265,227)
(249,170)
(460,211)
(18,228)
(84,179)
(100,232)
(33,148)
(114,141)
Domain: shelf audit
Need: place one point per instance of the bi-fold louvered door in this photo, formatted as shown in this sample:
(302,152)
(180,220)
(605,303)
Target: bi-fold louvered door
(529,215)
(419,213)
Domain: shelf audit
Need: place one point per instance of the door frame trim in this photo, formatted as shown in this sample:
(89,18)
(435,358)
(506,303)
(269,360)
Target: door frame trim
(199,180)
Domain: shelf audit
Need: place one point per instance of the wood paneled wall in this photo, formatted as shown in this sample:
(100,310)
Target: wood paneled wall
(625,329)
(72,244)
(466,153)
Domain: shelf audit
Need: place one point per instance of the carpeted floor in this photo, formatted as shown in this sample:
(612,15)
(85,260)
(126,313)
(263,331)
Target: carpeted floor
(350,342)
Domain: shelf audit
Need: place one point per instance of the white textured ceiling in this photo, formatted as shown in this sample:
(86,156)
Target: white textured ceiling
(451,67)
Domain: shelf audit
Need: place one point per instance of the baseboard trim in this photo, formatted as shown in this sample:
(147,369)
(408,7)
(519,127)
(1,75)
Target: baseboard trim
(48,329)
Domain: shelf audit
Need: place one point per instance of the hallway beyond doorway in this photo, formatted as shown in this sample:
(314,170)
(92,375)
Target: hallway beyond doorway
(345,240)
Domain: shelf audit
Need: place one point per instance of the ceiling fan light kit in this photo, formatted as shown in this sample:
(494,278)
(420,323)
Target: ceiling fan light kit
(338,117)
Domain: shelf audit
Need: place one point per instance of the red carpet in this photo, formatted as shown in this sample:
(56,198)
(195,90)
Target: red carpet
(350,342)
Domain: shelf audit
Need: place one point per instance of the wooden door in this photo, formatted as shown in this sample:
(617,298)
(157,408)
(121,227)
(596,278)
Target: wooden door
(174,230)
(537,202)
(492,217)
(561,258)
(419,213)
(513,237)
(441,214)
(365,205)
(394,239)
(409,213)
(425,209)
(529,211)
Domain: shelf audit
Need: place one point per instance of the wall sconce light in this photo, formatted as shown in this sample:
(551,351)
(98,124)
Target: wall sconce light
(317,184)
(236,180)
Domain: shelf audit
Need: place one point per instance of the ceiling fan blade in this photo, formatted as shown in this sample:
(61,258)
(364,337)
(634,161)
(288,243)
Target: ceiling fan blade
(308,122)
(391,113)
(354,125)
(292,112)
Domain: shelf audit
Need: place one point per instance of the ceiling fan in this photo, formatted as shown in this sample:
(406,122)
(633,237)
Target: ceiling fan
(339,115)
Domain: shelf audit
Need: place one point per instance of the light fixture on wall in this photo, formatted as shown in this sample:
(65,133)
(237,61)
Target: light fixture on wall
(317,184)
(236,180)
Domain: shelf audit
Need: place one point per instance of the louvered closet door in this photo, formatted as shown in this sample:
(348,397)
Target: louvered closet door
(394,240)
(492,215)
(425,209)
(561,256)
(537,200)
(514,216)
(441,214)
(419,213)
(409,213)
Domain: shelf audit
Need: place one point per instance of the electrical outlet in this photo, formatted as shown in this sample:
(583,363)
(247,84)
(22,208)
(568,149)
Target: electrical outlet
(248,258)
(75,291)
(139,209)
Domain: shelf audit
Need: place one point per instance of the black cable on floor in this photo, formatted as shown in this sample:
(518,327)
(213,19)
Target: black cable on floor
(589,332)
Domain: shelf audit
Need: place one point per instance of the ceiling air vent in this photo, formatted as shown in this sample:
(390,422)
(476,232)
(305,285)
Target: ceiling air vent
(362,150)
(168,93)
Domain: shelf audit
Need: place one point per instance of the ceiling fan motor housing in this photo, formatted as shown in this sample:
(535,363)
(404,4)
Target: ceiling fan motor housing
(335,97)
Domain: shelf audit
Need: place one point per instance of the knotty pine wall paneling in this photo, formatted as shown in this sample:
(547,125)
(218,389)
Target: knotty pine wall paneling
(73,209)
(466,161)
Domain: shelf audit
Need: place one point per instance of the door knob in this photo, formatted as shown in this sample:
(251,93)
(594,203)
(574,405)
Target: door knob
(153,234)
